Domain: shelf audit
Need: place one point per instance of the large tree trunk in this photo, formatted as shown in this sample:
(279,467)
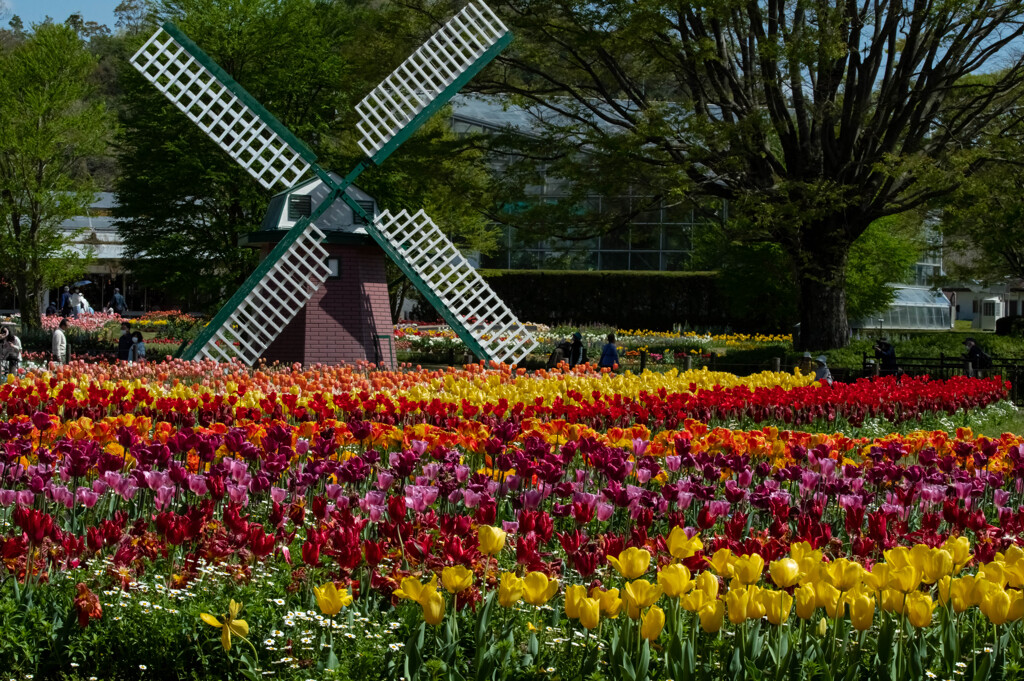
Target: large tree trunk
(821,275)
(28,303)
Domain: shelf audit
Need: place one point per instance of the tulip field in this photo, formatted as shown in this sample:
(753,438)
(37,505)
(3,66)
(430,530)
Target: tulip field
(194,520)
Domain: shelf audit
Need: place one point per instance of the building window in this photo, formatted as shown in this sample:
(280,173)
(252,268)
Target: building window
(974,306)
(299,206)
(1013,308)
(367,207)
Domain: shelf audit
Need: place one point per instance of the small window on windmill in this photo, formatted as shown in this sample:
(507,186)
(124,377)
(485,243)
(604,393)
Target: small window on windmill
(300,206)
(367,207)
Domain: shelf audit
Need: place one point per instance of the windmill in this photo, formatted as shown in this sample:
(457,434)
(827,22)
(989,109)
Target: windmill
(297,266)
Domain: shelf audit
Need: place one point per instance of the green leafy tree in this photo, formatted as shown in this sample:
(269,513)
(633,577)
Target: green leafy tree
(184,203)
(813,119)
(51,121)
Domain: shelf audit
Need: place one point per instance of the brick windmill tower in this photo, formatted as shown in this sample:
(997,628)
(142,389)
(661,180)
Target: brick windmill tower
(319,294)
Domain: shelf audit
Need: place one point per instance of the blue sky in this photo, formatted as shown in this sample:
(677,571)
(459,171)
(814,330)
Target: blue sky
(34,11)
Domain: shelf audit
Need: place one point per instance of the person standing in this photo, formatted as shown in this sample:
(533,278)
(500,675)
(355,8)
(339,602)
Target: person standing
(65,302)
(60,343)
(577,353)
(885,353)
(83,305)
(76,302)
(609,354)
(977,359)
(138,349)
(117,303)
(10,349)
(124,343)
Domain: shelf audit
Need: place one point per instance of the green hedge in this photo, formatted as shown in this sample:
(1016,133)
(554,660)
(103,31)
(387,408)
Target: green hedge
(627,300)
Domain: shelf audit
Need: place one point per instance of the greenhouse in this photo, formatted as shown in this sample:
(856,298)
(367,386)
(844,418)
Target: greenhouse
(915,307)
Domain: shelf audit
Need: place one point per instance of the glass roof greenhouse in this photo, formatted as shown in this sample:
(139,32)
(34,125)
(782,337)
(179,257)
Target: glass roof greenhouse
(915,307)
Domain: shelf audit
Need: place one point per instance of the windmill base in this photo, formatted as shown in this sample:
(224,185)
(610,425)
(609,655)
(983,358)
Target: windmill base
(347,320)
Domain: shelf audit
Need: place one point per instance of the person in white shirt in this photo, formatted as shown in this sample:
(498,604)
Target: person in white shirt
(76,303)
(83,305)
(60,343)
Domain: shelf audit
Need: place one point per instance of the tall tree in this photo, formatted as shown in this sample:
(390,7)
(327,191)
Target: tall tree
(184,203)
(813,118)
(51,121)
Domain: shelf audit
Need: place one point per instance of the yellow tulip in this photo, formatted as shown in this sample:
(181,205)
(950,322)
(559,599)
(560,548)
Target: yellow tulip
(897,557)
(736,602)
(806,601)
(413,590)
(893,601)
(632,562)
(993,572)
(827,596)
(611,604)
(1012,556)
(822,627)
(755,606)
(538,589)
(996,606)
(652,623)
(1016,605)
(433,608)
(330,600)
(844,574)
(682,546)
(590,612)
(960,549)
(230,625)
(1014,574)
(803,550)
(675,580)
(722,562)
(510,590)
(640,594)
(812,571)
(492,540)
(862,612)
(456,579)
(776,604)
(939,564)
(878,578)
(942,590)
(707,583)
(695,600)
(905,579)
(919,608)
(784,572)
(712,615)
(573,595)
(961,593)
(748,569)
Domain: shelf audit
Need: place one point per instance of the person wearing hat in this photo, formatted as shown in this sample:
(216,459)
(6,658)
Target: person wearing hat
(577,353)
(10,350)
(821,373)
(977,359)
(885,353)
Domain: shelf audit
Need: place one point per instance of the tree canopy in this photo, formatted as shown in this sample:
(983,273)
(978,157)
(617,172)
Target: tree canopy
(813,119)
(50,122)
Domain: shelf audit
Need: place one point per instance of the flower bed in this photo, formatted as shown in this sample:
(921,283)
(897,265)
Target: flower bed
(198,519)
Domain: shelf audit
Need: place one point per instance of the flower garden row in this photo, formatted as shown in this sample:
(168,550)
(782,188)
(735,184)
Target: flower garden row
(343,523)
(203,392)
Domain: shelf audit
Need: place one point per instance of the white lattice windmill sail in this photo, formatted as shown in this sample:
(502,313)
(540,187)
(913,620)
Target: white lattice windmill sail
(458,290)
(428,78)
(271,298)
(222,108)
